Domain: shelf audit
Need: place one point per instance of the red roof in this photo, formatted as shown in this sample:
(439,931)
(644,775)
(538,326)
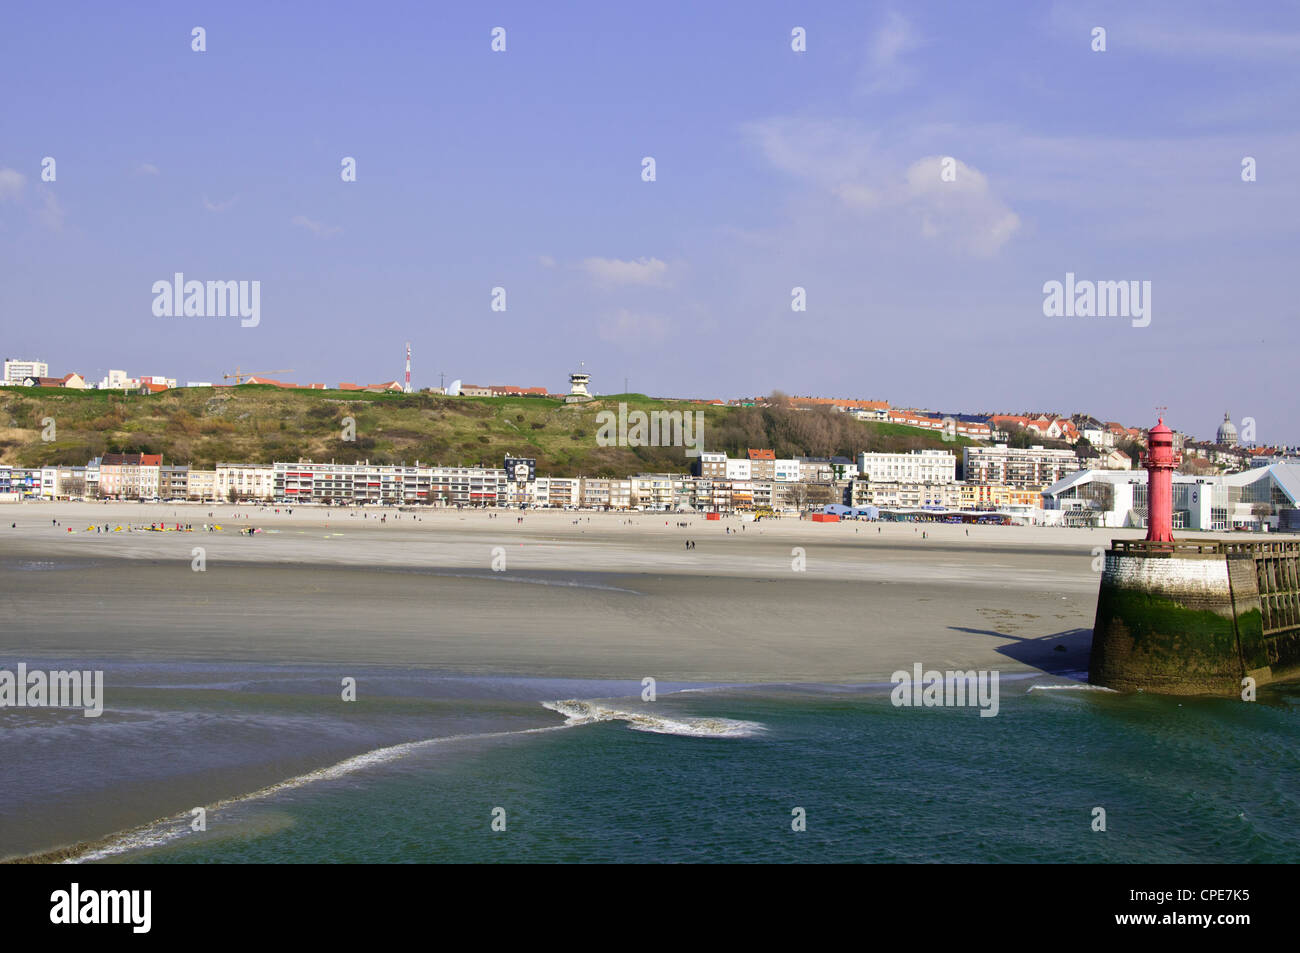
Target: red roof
(762,454)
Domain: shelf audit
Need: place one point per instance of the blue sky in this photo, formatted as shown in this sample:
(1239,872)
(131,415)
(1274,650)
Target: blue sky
(775,169)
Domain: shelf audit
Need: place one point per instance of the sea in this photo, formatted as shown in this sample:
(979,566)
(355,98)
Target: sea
(241,763)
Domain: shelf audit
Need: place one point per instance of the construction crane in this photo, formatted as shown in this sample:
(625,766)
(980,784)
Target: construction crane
(240,374)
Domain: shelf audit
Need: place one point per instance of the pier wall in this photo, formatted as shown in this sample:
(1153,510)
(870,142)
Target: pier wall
(1188,617)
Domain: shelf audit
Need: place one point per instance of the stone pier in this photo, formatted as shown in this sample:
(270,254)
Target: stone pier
(1197,616)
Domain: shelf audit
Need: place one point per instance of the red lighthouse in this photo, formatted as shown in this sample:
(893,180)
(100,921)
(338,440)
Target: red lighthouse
(1160,463)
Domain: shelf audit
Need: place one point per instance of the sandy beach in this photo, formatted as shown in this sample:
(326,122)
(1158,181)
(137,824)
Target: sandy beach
(223,681)
(580,595)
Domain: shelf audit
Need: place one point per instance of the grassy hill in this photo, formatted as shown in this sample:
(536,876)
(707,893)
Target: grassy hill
(262,424)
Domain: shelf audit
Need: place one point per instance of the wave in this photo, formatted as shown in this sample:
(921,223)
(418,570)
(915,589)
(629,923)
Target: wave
(578,712)
(1084,687)
(162,831)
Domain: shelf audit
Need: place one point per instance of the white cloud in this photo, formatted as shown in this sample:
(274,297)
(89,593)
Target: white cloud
(614,271)
(51,213)
(823,150)
(629,328)
(1178,36)
(11,183)
(964,210)
(546,261)
(319,229)
(845,161)
(212,206)
(1216,44)
(147,168)
(884,70)
(858,196)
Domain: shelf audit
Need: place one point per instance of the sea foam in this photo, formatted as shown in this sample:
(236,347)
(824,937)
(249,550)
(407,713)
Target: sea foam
(578,712)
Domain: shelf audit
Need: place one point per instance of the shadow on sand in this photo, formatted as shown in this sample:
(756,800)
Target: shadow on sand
(1065,653)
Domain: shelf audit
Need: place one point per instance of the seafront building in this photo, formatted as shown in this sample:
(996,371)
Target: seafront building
(201,485)
(248,481)
(1251,499)
(1015,466)
(130,475)
(905,495)
(1032,484)
(918,466)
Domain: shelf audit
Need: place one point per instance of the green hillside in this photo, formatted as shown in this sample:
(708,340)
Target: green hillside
(261,424)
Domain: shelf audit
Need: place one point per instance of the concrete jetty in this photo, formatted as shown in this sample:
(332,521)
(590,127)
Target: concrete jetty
(1197,616)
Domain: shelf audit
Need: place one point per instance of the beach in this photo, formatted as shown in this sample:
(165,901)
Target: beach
(607,596)
(223,681)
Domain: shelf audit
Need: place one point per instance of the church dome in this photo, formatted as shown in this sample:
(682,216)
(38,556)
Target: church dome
(1227,432)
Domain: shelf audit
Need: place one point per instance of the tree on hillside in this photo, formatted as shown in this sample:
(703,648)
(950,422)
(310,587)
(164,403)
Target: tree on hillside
(1133,449)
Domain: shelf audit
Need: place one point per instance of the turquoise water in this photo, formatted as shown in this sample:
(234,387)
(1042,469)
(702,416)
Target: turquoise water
(1182,781)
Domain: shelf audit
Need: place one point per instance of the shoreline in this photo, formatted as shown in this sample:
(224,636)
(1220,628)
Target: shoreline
(776,606)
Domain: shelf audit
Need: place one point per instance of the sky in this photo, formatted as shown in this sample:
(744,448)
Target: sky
(825,169)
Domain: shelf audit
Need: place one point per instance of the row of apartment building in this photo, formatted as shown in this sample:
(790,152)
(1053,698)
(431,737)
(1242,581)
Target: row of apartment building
(920,477)
(1029,467)
(365,483)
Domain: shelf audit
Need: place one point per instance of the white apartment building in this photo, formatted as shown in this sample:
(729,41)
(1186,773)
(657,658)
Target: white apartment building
(1015,466)
(557,492)
(18,371)
(364,482)
(739,469)
(250,481)
(787,471)
(906,495)
(1098,437)
(918,466)
(116,380)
